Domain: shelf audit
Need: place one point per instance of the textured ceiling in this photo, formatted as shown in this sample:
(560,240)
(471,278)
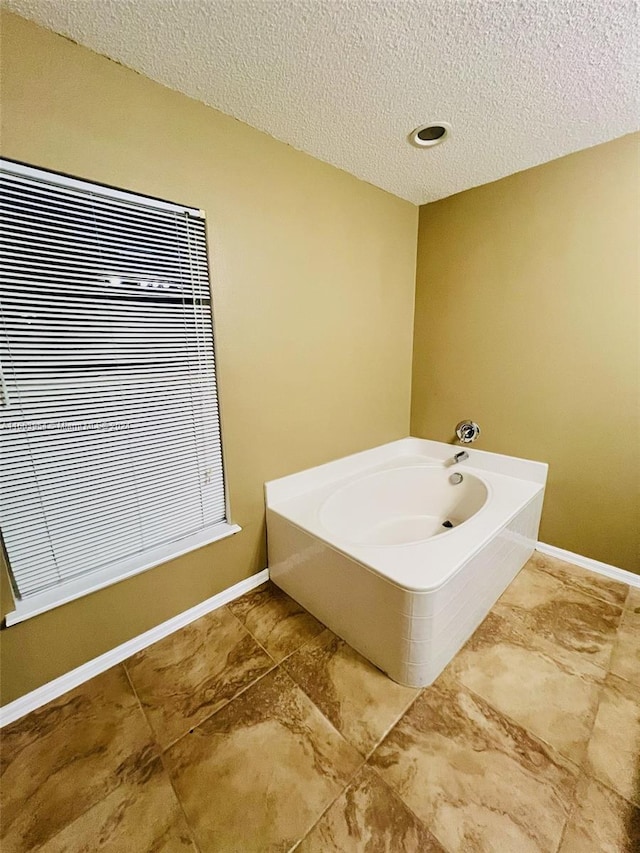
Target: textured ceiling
(520,81)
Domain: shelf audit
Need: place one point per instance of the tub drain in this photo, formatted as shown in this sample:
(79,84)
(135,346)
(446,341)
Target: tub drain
(447,524)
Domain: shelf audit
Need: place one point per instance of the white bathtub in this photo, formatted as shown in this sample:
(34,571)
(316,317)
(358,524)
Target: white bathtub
(362,544)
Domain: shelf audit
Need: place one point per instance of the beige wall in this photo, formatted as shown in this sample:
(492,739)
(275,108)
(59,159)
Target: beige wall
(527,306)
(313,279)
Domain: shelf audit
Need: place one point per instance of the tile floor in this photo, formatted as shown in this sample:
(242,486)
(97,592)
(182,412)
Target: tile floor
(256,730)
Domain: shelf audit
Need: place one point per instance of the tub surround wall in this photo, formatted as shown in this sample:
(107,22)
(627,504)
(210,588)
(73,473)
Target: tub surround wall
(313,276)
(527,308)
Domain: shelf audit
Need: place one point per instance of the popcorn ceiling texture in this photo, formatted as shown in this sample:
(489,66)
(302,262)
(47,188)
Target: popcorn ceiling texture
(347,80)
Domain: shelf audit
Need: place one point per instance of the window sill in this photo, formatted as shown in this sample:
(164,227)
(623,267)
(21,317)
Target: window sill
(36,604)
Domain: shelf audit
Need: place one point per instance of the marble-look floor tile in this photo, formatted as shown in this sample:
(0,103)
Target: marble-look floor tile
(477,780)
(60,760)
(625,660)
(613,592)
(601,822)
(532,681)
(360,700)
(584,627)
(369,818)
(613,756)
(258,774)
(278,622)
(139,816)
(184,678)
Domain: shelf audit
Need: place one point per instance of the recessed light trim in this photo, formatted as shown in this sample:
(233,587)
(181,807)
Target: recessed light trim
(429,134)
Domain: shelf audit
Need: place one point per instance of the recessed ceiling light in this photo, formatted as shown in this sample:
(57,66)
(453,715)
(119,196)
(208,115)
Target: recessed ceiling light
(430,134)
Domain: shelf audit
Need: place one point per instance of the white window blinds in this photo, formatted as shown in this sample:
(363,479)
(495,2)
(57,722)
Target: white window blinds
(111,449)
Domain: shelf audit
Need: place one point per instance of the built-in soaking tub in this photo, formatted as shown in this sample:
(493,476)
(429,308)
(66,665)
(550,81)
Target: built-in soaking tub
(394,556)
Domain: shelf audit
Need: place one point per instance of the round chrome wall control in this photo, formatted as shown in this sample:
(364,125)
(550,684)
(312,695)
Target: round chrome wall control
(455,479)
(467,431)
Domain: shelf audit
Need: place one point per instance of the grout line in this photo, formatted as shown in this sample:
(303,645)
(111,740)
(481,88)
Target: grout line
(47,841)
(499,606)
(276,664)
(409,705)
(574,803)
(294,651)
(310,639)
(366,757)
(191,729)
(350,779)
(252,635)
(611,790)
(514,722)
(192,833)
(615,645)
(163,750)
(533,632)
(632,684)
(546,653)
(408,807)
(570,813)
(80,815)
(420,820)
(581,767)
(326,719)
(227,702)
(389,728)
(635,687)
(99,800)
(322,814)
(331,804)
(628,607)
(554,749)
(51,838)
(141,706)
(510,720)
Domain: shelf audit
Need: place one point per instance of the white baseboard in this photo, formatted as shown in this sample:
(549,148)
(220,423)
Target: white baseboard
(53,689)
(605,569)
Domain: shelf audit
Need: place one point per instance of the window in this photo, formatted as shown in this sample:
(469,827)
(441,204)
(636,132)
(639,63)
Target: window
(111,447)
